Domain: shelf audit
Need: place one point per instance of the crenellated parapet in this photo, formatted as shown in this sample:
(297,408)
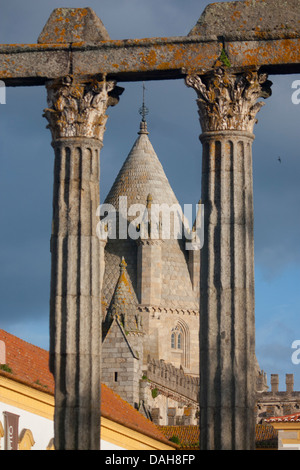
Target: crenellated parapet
(276,402)
(173,379)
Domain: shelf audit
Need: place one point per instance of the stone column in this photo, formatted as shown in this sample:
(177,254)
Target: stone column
(76,116)
(227,104)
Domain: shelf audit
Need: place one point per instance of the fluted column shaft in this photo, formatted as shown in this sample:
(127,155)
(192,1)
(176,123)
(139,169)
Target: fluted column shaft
(227,109)
(76,116)
(75,307)
(227,329)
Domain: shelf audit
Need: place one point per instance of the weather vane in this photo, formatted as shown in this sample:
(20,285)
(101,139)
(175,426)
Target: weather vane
(143,110)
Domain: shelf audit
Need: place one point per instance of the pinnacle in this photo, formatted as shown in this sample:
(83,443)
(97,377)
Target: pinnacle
(124,304)
(143,128)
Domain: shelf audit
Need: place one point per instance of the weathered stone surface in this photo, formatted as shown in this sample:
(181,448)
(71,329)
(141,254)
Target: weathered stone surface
(122,363)
(142,59)
(227,108)
(251,19)
(227,339)
(149,275)
(254,33)
(75,306)
(75,327)
(78,109)
(228,101)
(73,25)
(124,304)
(123,60)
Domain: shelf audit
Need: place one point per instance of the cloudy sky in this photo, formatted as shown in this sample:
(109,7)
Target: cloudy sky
(26,174)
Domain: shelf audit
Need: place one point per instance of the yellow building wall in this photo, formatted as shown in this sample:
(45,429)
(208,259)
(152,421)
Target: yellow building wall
(42,404)
(288,435)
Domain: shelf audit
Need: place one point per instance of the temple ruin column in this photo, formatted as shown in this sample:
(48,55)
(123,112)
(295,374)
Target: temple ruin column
(76,116)
(228,105)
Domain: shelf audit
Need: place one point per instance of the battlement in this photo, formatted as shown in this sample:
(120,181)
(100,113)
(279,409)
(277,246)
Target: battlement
(172,378)
(262,386)
(274,402)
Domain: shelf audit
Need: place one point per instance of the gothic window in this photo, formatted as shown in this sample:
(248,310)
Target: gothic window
(176,337)
(180,342)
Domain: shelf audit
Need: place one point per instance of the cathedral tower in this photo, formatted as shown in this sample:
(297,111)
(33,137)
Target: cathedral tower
(158,268)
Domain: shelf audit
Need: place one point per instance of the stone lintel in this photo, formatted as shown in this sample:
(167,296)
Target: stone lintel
(143,59)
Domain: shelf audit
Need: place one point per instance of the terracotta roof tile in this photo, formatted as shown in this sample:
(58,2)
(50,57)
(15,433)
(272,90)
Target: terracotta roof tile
(115,408)
(293,418)
(188,436)
(266,436)
(29,365)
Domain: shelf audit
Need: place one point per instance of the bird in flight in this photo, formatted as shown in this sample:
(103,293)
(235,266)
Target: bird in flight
(279,159)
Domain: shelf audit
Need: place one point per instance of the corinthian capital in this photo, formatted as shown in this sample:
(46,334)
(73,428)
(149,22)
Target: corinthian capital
(77,109)
(228,101)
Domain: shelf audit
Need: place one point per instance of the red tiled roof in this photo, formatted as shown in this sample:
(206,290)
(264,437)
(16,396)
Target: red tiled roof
(115,408)
(266,437)
(188,436)
(293,418)
(29,365)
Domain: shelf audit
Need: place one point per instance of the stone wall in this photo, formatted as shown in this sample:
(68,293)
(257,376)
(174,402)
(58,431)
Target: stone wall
(277,403)
(121,363)
(170,395)
(172,378)
(159,324)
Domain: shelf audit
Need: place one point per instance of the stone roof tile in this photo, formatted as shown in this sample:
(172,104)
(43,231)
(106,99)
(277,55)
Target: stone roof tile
(124,303)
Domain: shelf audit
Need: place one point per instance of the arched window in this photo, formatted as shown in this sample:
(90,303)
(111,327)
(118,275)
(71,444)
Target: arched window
(180,342)
(177,337)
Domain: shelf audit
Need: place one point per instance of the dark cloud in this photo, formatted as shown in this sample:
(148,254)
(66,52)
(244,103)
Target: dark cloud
(276,185)
(26,166)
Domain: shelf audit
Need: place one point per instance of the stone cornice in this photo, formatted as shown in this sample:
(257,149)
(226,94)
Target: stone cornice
(155,311)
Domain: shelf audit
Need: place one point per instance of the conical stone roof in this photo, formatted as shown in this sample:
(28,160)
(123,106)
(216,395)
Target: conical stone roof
(142,174)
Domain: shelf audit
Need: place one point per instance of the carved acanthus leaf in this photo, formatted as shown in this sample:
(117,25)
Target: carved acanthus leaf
(78,109)
(228,101)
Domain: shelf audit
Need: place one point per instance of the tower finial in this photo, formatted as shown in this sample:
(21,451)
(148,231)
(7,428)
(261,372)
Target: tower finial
(143,111)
